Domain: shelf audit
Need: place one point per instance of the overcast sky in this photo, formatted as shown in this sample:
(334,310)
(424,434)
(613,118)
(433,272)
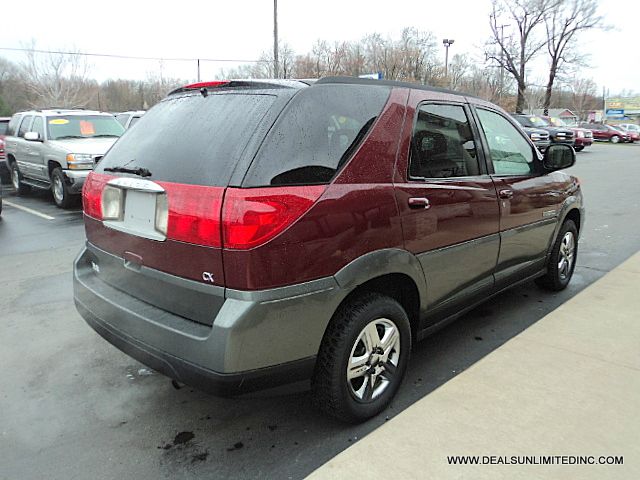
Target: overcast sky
(243,29)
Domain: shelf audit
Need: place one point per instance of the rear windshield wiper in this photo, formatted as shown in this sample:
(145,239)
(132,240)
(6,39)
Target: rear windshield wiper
(142,172)
(105,135)
(68,136)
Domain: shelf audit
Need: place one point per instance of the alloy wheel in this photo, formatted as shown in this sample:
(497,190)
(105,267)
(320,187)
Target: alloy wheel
(567,254)
(373,360)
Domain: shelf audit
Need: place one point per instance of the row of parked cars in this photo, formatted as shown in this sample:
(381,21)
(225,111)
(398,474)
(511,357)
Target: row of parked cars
(544,131)
(57,148)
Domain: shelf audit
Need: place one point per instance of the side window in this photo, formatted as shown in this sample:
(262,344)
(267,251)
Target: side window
(510,152)
(442,144)
(13,124)
(38,126)
(25,126)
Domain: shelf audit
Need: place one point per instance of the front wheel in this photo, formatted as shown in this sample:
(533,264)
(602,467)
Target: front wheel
(562,260)
(579,148)
(61,194)
(615,139)
(362,358)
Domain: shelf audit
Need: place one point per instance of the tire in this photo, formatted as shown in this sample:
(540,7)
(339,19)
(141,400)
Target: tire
(579,148)
(562,261)
(615,139)
(16,180)
(60,190)
(348,337)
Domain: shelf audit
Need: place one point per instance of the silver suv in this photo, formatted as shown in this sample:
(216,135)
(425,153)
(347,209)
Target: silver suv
(56,149)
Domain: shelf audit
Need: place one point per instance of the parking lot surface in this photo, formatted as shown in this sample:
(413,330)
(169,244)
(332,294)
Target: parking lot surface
(72,406)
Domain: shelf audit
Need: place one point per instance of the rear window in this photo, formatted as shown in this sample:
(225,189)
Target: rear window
(190,138)
(316,134)
(83,126)
(3,127)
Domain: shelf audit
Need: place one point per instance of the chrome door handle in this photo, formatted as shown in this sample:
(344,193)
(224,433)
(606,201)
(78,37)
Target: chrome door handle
(419,202)
(506,193)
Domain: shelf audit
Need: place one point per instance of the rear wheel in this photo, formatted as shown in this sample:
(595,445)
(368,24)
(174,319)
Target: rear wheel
(615,139)
(362,358)
(563,257)
(579,148)
(60,189)
(16,180)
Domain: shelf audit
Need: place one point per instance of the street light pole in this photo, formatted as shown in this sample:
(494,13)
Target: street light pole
(275,39)
(447,42)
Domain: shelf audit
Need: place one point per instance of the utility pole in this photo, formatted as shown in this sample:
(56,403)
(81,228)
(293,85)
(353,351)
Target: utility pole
(447,42)
(275,40)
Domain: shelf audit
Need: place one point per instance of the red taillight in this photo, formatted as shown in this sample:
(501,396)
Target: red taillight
(92,194)
(195,86)
(253,216)
(194,213)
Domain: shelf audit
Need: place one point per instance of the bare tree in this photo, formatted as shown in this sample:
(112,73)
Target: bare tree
(564,23)
(584,95)
(515,51)
(56,79)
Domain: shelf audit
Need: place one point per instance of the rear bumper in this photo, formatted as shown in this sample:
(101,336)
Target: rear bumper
(258,339)
(75,179)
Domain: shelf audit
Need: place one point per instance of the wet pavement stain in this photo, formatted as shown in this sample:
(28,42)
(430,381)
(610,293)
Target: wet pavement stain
(236,446)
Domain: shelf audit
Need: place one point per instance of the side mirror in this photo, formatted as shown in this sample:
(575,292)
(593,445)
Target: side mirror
(558,156)
(32,136)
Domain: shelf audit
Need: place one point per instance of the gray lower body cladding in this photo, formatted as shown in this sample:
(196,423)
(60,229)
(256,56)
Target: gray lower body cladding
(257,339)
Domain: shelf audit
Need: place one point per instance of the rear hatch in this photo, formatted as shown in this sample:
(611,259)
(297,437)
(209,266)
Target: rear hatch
(153,204)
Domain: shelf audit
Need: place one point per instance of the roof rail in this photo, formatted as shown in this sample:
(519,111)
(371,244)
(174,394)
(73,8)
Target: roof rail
(388,83)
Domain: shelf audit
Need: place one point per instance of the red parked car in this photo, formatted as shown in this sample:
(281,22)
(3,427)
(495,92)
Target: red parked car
(247,234)
(582,136)
(633,135)
(606,132)
(5,175)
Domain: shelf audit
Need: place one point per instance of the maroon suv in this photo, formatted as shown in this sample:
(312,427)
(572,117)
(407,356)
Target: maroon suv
(248,234)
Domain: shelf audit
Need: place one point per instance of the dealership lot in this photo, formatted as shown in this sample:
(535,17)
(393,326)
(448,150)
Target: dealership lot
(75,407)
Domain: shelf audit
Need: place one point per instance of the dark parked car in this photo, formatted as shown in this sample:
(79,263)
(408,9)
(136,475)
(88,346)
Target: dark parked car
(320,232)
(582,137)
(562,135)
(606,133)
(539,137)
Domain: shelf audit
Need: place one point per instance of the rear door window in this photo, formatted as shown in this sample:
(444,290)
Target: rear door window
(316,134)
(442,144)
(190,138)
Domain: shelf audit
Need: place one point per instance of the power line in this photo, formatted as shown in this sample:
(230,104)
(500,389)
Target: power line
(131,57)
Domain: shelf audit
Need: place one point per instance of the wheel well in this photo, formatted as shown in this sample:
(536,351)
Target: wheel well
(574,215)
(398,286)
(10,158)
(52,164)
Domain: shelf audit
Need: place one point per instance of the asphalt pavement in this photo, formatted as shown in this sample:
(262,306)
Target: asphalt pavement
(72,406)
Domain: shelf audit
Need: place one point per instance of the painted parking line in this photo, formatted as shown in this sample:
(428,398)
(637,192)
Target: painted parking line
(28,210)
